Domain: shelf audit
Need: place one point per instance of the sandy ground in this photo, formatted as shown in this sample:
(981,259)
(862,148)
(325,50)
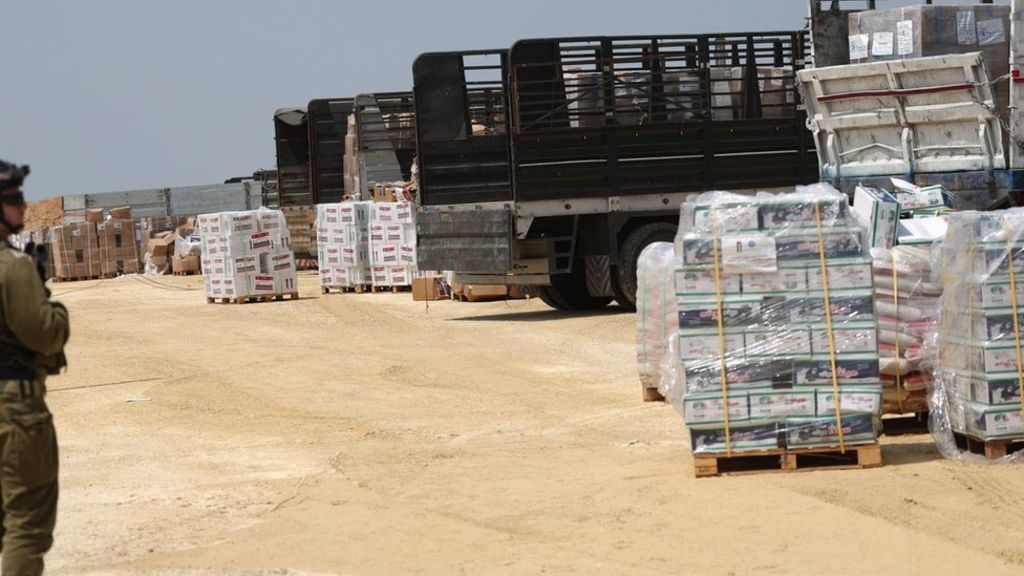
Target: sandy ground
(368,434)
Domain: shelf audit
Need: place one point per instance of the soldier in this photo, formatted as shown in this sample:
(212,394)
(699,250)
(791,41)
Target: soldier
(33,331)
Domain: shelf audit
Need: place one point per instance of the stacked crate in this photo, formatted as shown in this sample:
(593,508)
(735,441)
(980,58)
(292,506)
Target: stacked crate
(119,253)
(342,231)
(777,327)
(247,255)
(76,253)
(979,362)
(392,244)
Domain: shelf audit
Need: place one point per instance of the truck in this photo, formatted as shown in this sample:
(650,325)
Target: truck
(311,146)
(602,138)
(553,164)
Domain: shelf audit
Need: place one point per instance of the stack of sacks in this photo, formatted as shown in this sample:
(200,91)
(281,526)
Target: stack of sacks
(763,332)
(342,231)
(907,306)
(119,253)
(246,254)
(978,369)
(76,252)
(656,320)
(392,243)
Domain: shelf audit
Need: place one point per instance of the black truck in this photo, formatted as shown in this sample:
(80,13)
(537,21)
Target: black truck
(554,163)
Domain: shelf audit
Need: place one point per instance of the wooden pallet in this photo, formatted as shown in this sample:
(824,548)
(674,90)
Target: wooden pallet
(788,460)
(358,289)
(258,298)
(185,272)
(77,278)
(912,423)
(652,395)
(991,448)
(392,289)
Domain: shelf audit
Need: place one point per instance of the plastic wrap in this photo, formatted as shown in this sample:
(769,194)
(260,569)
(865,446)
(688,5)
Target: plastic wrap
(907,304)
(343,244)
(246,254)
(392,243)
(656,320)
(777,326)
(979,367)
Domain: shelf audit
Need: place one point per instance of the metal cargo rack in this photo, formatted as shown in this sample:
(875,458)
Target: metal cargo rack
(619,116)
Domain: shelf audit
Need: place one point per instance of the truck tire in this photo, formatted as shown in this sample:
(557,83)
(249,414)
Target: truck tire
(548,296)
(569,292)
(629,254)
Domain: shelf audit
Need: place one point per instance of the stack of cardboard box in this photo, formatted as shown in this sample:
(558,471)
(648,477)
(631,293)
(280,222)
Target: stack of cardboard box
(342,231)
(246,254)
(766,336)
(76,253)
(978,371)
(119,253)
(392,243)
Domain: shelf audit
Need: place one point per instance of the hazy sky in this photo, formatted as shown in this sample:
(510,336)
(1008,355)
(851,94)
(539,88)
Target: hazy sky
(111,95)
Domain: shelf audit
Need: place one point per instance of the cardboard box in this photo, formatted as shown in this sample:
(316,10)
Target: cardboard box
(121,213)
(867,399)
(878,211)
(810,432)
(118,252)
(748,373)
(708,408)
(429,288)
(751,436)
(994,421)
(162,245)
(781,403)
(848,338)
(701,282)
(786,280)
(75,251)
(94,215)
(698,344)
(862,370)
(185,264)
(483,292)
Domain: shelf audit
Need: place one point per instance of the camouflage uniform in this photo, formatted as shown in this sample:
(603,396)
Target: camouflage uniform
(32,331)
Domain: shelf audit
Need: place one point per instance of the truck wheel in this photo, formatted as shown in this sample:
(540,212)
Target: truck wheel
(629,254)
(571,291)
(548,296)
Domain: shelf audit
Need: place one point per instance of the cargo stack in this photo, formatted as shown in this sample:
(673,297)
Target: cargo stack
(392,244)
(76,251)
(118,250)
(902,230)
(777,330)
(657,322)
(977,403)
(247,256)
(342,231)
(302,229)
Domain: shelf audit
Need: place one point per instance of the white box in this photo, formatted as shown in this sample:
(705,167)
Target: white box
(399,276)
(792,341)
(701,282)
(879,212)
(841,276)
(785,281)
(849,338)
(407,255)
(705,344)
(865,399)
(781,403)
(379,276)
(707,408)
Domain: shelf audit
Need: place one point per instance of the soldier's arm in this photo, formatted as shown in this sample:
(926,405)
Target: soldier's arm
(40,325)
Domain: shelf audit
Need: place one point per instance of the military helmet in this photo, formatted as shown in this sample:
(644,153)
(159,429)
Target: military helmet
(12,176)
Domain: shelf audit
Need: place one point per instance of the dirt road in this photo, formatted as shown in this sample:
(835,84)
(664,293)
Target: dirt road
(367,434)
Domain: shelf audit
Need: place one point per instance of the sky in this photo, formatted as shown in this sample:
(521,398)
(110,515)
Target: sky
(111,95)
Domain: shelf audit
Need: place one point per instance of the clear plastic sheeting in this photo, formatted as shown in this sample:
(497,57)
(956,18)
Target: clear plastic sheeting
(979,369)
(656,320)
(907,304)
(777,345)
